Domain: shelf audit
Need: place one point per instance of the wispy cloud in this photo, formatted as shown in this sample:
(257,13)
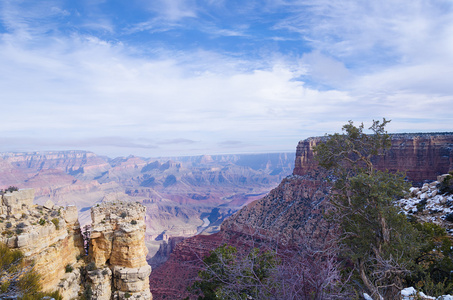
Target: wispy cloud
(84,80)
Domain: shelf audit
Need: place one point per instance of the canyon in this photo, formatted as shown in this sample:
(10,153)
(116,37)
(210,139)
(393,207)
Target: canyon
(295,208)
(181,208)
(178,192)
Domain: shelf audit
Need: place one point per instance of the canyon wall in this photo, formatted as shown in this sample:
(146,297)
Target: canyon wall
(51,239)
(296,207)
(118,251)
(422,156)
(178,192)
(48,235)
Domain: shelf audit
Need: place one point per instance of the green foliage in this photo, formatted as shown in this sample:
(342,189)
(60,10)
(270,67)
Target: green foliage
(56,222)
(42,222)
(380,242)
(446,186)
(18,279)
(127,295)
(434,263)
(227,275)
(91,266)
(10,189)
(87,292)
(69,268)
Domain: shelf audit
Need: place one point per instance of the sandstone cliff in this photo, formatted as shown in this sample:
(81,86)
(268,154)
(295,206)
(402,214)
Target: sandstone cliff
(48,235)
(117,248)
(423,156)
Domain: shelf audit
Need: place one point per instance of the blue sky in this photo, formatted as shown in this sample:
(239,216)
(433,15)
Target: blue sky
(180,77)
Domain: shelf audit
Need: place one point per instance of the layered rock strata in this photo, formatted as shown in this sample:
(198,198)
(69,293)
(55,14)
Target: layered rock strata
(164,251)
(48,235)
(117,248)
(296,207)
(422,156)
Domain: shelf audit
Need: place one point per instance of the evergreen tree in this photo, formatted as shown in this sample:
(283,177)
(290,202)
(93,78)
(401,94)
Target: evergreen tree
(380,242)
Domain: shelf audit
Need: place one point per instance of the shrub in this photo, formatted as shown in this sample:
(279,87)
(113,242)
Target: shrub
(446,186)
(421,205)
(127,295)
(91,266)
(133,222)
(9,225)
(69,268)
(11,189)
(19,231)
(19,280)
(449,217)
(123,215)
(88,293)
(56,222)
(42,222)
(21,225)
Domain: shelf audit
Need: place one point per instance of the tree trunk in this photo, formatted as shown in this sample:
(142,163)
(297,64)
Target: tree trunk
(371,288)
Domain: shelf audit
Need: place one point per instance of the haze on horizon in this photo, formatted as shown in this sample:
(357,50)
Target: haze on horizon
(187,77)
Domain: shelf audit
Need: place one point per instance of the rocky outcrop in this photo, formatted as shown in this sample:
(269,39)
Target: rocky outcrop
(296,207)
(422,156)
(165,249)
(429,204)
(48,235)
(117,243)
(71,162)
(170,280)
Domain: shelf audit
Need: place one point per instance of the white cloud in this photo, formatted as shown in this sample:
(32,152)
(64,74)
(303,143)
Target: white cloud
(81,90)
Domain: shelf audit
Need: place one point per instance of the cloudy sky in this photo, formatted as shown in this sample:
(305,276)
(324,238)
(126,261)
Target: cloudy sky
(187,77)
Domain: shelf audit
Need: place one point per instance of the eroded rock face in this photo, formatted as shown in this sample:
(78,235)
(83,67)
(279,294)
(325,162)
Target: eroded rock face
(101,283)
(297,205)
(422,156)
(48,236)
(17,202)
(292,209)
(118,243)
(165,249)
(295,208)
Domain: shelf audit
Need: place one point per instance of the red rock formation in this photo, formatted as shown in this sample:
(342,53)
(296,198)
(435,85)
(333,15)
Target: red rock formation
(296,206)
(423,156)
(170,281)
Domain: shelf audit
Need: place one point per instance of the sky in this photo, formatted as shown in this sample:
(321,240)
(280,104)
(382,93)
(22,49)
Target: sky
(186,77)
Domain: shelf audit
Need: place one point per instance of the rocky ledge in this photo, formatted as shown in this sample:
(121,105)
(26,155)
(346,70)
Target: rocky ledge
(117,248)
(422,156)
(48,235)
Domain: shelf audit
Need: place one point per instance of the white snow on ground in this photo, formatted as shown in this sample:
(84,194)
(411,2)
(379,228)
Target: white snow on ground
(429,205)
(427,201)
(411,294)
